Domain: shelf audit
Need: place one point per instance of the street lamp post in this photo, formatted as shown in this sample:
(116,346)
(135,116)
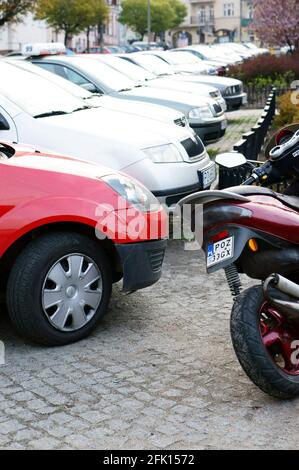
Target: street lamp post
(149,21)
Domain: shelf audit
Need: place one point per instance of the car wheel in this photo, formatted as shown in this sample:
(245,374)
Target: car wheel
(59,288)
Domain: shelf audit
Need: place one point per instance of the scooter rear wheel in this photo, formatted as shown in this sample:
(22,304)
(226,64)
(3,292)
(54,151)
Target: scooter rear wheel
(266,344)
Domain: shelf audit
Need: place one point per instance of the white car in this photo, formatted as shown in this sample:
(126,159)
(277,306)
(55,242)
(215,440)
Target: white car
(148,110)
(168,82)
(183,63)
(204,115)
(171,161)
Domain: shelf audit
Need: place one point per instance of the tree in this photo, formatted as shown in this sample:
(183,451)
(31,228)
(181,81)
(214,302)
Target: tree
(276,22)
(134,15)
(71,16)
(166,14)
(12,10)
(163,16)
(180,12)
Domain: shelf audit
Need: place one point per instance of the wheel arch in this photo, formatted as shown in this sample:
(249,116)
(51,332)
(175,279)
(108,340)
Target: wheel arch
(10,255)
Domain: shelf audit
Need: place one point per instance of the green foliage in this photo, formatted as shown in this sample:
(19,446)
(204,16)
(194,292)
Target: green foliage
(72,16)
(288,111)
(12,10)
(165,14)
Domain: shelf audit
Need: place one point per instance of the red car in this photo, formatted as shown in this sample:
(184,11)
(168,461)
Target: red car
(68,230)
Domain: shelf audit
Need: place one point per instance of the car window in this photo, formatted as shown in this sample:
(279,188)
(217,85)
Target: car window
(129,69)
(109,77)
(153,64)
(34,94)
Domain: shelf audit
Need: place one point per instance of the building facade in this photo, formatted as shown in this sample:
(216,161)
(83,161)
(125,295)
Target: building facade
(14,36)
(211,21)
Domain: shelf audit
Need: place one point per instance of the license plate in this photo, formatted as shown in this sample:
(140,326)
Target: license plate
(220,251)
(208,176)
(223,125)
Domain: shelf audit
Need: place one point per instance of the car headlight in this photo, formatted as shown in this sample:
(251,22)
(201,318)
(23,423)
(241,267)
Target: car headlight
(134,192)
(164,154)
(215,94)
(201,113)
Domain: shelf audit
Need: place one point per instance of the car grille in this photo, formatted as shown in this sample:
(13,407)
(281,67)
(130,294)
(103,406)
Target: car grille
(156,258)
(234,90)
(182,122)
(194,148)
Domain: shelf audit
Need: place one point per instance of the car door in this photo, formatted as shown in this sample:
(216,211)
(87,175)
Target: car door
(8,129)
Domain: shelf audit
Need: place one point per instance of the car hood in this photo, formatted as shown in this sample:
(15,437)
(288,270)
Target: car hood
(167,96)
(180,85)
(214,81)
(148,110)
(28,157)
(99,135)
(141,131)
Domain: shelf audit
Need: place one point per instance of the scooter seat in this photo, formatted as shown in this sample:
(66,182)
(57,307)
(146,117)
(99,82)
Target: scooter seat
(289,201)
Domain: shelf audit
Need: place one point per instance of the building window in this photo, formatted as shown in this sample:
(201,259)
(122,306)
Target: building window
(250,12)
(229,9)
(202,15)
(211,14)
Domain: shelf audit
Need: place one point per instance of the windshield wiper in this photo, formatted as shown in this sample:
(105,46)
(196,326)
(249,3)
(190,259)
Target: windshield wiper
(124,89)
(50,113)
(97,95)
(81,108)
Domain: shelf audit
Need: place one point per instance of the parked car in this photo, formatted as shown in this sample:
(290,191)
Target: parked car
(60,253)
(231,89)
(167,159)
(183,63)
(216,67)
(136,108)
(169,82)
(208,53)
(145,46)
(232,51)
(204,115)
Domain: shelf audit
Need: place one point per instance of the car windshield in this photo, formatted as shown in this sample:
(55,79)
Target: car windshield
(153,64)
(70,87)
(111,78)
(209,53)
(183,58)
(34,94)
(127,68)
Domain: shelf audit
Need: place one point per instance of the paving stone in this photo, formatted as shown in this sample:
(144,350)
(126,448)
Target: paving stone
(158,373)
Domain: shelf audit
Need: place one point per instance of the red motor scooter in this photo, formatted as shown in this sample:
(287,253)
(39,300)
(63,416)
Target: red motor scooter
(254,230)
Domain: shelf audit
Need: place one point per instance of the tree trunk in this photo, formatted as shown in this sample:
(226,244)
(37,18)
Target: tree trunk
(101,34)
(88,39)
(66,38)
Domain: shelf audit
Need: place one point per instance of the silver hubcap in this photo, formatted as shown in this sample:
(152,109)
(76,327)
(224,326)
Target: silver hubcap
(72,292)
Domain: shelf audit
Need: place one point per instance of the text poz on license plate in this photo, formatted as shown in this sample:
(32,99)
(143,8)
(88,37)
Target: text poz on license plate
(220,251)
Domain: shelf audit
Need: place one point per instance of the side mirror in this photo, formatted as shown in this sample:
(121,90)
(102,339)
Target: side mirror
(4,126)
(230,159)
(90,87)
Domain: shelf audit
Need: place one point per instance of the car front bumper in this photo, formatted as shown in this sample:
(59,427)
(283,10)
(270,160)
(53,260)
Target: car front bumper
(235,102)
(210,132)
(142,263)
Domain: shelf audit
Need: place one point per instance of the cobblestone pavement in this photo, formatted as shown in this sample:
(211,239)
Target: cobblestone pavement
(239,122)
(159,372)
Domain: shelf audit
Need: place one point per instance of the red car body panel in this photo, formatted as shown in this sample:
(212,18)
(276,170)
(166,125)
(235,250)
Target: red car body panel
(39,189)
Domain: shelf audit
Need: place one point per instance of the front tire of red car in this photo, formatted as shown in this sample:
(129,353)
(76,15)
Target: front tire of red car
(59,288)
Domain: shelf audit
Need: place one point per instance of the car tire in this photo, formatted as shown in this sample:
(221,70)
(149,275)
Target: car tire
(252,353)
(57,267)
